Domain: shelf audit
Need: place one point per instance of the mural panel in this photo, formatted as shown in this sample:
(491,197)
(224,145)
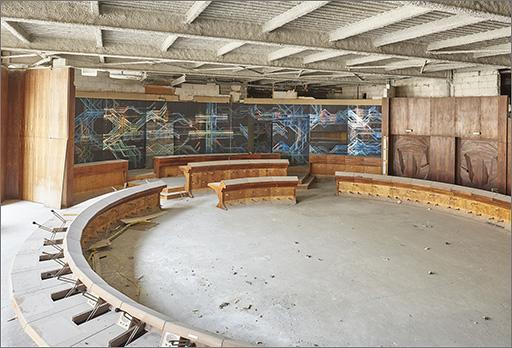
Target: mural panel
(139,130)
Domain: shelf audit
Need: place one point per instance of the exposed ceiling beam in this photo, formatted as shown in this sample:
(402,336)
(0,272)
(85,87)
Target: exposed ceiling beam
(292,14)
(366,60)
(284,52)
(102,59)
(425,29)
(378,21)
(468,8)
(168,42)
(179,80)
(469,39)
(95,7)
(16,30)
(98,34)
(494,50)
(448,66)
(66,47)
(229,47)
(195,10)
(405,64)
(317,57)
(237,68)
(145,22)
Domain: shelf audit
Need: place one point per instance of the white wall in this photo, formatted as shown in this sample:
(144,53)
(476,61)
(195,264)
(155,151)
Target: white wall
(476,83)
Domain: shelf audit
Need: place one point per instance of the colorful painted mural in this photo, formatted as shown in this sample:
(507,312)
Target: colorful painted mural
(139,130)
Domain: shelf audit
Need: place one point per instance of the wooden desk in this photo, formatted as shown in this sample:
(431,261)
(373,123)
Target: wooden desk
(199,174)
(165,166)
(266,188)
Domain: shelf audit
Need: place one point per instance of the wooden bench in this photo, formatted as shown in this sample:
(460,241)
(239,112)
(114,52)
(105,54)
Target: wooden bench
(494,206)
(165,166)
(326,164)
(199,174)
(267,188)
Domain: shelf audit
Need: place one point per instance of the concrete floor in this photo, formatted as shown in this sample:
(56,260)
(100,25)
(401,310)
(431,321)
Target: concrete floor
(17,217)
(327,271)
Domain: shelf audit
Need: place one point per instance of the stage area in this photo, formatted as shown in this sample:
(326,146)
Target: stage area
(327,271)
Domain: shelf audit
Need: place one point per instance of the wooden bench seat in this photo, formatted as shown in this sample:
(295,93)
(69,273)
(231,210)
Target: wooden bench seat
(165,166)
(494,206)
(267,188)
(199,174)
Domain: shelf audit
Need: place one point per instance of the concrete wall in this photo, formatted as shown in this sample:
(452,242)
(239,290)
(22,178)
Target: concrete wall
(422,88)
(357,92)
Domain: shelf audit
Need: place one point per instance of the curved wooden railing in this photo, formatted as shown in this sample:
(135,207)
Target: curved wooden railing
(494,206)
(90,226)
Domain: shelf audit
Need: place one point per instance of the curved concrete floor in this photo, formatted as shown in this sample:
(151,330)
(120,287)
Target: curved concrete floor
(327,271)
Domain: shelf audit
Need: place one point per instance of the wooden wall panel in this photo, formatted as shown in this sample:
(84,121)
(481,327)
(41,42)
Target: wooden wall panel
(467,117)
(442,159)
(3,131)
(47,135)
(418,117)
(477,164)
(489,116)
(14,135)
(398,110)
(509,156)
(442,117)
(410,156)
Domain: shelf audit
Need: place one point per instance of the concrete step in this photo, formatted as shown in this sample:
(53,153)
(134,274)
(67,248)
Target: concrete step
(141,175)
(171,189)
(173,195)
(306,182)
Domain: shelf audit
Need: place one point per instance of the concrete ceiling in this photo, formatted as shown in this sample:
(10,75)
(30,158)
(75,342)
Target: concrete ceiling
(315,42)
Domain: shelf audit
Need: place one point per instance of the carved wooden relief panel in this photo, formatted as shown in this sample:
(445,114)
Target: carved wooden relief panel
(411,156)
(477,164)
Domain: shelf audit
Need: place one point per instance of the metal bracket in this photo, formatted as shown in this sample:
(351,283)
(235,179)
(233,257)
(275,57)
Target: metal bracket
(100,308)
(134,330)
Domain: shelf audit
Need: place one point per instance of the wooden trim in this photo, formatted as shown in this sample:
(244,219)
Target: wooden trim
(67,191)
(312,101)
(126,96)
(206,99)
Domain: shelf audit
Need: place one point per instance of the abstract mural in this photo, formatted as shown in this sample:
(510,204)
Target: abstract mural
(139,130)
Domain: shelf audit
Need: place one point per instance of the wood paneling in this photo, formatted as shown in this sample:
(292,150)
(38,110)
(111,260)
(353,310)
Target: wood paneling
(477,164)
(14,129)
(398,115)
(442,117)
(509,156)
(3,130)
(467,117)
(95,178)
(489,117)
(410,156)
(47,136)
(418,116)
(442,159)
(312,101)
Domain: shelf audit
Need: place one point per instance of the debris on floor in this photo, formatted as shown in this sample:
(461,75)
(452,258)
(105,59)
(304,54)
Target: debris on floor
(430,272)
(223,304)
(426,248)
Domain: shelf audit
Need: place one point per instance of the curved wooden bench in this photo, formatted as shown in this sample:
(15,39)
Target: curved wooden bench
(165,166)
(328,164)
(62,301)
(491,205)
(198,175)
(267,188)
